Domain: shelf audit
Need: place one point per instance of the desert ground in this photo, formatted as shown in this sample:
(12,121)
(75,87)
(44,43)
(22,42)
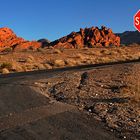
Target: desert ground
(49,58)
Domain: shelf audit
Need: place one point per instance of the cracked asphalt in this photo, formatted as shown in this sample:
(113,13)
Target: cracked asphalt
(83,103)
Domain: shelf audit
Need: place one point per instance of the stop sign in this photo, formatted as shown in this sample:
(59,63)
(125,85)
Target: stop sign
(137,20)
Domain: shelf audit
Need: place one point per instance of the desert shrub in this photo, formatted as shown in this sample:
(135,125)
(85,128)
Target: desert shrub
(7,50)
(40,49)
(103,60)
(6,65)
(16,67)
(59,63)
(5,71)
(57,51)
(80,56)
(70,62)
(48,66)
(39,66)
(30,59)
(106,52)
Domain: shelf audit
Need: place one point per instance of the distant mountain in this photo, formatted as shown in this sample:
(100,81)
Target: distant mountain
(129,37)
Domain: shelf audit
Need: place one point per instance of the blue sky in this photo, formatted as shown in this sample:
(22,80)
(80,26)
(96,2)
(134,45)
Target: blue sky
(52,19)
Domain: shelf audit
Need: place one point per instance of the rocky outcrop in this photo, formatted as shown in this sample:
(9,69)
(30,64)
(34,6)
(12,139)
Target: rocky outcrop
(88,37)
(8,39)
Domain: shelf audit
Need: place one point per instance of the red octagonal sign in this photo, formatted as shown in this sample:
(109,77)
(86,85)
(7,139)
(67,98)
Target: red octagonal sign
(137,20)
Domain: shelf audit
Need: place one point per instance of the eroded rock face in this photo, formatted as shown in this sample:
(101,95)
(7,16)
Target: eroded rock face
(8,39)
(89,37)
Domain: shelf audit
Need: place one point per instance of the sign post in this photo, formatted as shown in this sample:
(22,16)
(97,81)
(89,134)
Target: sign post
(137,21)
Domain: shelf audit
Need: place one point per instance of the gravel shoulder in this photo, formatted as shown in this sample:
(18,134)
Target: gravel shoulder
(110,95)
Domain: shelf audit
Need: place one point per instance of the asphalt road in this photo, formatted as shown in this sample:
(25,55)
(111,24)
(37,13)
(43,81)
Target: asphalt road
(28,115)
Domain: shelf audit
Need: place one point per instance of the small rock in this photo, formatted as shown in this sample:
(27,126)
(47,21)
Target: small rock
(90,110)
(124,137)
(5,71)
(102,85)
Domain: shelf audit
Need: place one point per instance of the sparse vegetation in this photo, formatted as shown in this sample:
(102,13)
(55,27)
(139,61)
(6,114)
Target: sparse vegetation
(57,51)
(8,50)
(6,65)
(41,50)
(59,63)
(5,71)
(80,56)
(70,62)
(106,52)
(52,58)
(30,59)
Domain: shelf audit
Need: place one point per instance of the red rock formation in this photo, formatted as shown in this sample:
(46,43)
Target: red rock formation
(8,39)
(89,37)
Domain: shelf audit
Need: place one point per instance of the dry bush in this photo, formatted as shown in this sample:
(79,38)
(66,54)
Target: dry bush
(78,62)
(5,71)
(59,63)
(57,51)
(104,60)
(105,52)
(39,66)
(16,67)
(41,50)
(47,66)
(30,59)
(91,53)
(94,52)
(80,56)
(6,65)
(70,62)
(8,50)
(22,60)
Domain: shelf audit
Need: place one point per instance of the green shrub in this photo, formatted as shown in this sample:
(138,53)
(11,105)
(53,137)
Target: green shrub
(6,65)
